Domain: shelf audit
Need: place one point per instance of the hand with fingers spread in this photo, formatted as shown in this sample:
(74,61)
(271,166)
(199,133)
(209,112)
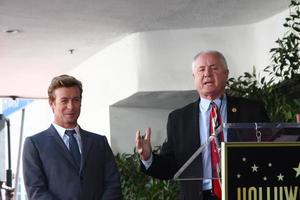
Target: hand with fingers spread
(143,144)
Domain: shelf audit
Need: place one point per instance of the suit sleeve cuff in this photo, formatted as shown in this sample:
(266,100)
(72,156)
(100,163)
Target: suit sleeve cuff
(147,163)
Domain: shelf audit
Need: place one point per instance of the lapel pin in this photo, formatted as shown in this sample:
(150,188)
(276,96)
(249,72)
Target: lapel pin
(234,109)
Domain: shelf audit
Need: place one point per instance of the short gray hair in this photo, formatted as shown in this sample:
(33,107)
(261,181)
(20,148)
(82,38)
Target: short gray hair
(219,54)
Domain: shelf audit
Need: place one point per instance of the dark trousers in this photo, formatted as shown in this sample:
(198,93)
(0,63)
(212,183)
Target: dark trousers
(208,195)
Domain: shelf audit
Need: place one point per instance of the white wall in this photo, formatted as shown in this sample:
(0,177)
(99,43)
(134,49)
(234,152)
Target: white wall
(161,60)
(123,128)
(158,60)
(107,77)
(166,55)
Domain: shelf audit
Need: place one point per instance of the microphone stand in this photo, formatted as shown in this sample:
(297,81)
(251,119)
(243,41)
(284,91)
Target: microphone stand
(8,171)
(7,186)
(194,156)
(190,160)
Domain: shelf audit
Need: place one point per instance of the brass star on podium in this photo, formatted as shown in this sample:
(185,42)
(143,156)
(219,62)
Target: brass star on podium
(297,170)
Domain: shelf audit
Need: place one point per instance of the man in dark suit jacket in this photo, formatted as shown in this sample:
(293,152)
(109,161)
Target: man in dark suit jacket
(51,171)
(188,128)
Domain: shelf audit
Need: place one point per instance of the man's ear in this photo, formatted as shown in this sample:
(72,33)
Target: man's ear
(51,102)
(227,73)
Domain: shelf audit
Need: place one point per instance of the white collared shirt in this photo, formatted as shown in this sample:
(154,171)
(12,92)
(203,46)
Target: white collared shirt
(65,138)
(204,113)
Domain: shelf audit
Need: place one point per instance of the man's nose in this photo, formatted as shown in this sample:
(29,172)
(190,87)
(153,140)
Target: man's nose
(207,71)
(70,104)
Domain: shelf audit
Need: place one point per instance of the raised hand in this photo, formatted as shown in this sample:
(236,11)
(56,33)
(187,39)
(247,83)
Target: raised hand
(143,144)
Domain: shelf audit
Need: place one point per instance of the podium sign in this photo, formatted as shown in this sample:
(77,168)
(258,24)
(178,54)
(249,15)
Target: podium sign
(261,171)
(260,161)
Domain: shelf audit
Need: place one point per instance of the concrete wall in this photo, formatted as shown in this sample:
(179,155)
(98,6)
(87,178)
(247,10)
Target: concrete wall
(150,61)
(143,110)
(126,121)
(164,63)
(159,60)
(166,55)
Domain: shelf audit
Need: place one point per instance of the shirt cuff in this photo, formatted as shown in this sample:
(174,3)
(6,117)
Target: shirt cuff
(147,163)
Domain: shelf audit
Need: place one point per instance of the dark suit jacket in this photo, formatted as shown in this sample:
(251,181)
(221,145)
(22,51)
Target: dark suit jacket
(50,173)
(183,140)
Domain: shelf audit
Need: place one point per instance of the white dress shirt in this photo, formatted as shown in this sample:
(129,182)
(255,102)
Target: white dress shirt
(65,138)
(204,113)
(204,109)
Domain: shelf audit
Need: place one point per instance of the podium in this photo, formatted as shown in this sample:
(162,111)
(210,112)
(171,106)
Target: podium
(260,161)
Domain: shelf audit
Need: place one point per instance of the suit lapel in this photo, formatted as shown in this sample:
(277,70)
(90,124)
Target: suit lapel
(86,146)
(233,116)
(196,141)
(60,146)
(232,110)
(195,125)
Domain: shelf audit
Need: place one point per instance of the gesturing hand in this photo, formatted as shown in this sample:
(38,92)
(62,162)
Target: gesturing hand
(143,144)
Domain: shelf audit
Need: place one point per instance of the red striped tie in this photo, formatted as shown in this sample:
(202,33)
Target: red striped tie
(215,124)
